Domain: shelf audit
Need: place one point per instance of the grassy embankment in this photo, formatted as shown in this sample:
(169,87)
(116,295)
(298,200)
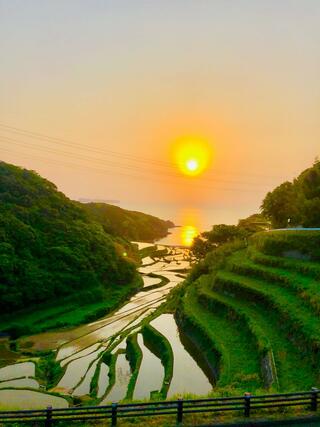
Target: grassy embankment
(70,312)
(161,348)
(134,355)
(259,310)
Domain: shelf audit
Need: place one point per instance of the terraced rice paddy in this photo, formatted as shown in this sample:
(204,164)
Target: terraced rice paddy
(84,360)
(260,313)
(250,325)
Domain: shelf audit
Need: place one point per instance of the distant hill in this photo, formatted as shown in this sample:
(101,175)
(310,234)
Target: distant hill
(50,247)
(131,225)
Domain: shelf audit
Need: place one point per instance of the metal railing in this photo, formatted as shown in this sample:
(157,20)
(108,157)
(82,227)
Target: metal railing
(178,408)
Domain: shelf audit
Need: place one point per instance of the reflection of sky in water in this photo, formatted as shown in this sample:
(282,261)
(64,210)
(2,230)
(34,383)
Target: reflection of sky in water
(150,375)
(25,369)
(76,370)
(187,375)
(81,353)
(103,381)
(84,387)
(123,374)
(27,399)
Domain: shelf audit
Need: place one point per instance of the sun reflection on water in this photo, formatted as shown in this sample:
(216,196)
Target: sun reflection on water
(188,233)
(190,220)
(189,225)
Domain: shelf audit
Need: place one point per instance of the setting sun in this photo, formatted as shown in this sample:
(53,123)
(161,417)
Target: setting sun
(192,165)
(192,155)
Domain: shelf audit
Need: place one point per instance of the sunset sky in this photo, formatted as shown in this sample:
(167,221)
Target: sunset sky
(117,83)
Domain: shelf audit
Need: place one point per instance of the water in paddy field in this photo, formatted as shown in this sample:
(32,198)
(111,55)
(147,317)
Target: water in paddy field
(151,373)
(103,380)
(27,399)
(84,387)
(17,370)
(123,375)
(75,371)
(187,375)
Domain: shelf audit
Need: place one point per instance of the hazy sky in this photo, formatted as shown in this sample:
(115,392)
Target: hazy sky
(121,80)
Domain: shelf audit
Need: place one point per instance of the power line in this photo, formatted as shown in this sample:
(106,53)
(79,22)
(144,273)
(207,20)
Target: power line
(111,164)
(66,142)
(62,141)
(104,171)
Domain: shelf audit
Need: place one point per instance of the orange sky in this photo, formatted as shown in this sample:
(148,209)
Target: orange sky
(120,81)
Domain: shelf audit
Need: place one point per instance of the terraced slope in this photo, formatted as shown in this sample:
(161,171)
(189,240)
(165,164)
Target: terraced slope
(260,313)
(239,364)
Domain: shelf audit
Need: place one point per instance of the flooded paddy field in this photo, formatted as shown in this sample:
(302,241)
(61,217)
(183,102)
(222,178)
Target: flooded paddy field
(94,359)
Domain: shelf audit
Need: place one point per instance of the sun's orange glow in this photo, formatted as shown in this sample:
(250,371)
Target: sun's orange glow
(192,155)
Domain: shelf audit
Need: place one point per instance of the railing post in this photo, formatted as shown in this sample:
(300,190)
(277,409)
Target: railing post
(114,408)
(179,411)
(48,422)
(314,398)
(247,402)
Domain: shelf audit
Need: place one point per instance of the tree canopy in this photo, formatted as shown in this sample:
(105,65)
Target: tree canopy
(50,248)
(295,203)
(221,234)
(130,225)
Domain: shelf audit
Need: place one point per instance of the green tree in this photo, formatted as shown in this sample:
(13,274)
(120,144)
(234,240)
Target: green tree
(217,236)
(281,205)
(308,188)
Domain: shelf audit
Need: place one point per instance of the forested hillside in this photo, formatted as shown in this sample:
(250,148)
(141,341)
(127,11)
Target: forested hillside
(131,225)
(50,248)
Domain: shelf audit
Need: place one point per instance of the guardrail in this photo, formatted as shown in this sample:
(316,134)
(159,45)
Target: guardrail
(178,408)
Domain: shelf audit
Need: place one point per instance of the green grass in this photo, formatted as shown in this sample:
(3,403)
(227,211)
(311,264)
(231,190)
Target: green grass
(275,297)
(134,354)
(306,288)
(49,370)
(67,313)
(294,371)
(160,347)
(305,243)
(240,364)
(308,268)
(110,360)
(253,302)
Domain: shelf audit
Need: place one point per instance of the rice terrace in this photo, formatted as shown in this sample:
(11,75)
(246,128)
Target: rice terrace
(159,213)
